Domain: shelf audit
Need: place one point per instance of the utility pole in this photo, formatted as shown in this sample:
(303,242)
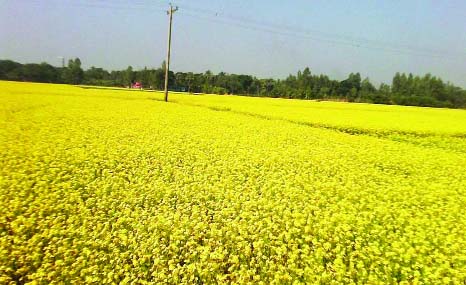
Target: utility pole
(167,62)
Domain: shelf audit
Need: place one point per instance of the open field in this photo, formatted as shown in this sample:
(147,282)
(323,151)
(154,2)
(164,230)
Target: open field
(106,186)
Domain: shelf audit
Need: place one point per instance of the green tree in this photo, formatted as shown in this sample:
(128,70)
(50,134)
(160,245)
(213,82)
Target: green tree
(73,74)
(367,90)
(129,76)
(382,96)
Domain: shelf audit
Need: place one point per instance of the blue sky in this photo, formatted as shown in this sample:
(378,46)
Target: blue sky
(258,37)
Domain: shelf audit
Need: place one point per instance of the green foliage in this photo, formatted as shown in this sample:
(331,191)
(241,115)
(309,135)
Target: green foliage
(129,76)
(427,91)
(94,74)
(7,67)
(73,74)
(29,72)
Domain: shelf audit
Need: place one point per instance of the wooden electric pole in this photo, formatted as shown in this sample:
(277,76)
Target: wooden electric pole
(167,62)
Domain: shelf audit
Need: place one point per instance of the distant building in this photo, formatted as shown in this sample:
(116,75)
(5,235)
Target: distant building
(137,85)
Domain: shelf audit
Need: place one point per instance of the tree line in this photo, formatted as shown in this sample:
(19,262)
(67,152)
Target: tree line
(406,89)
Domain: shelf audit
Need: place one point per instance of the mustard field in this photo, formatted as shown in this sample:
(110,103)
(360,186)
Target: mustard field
(103,186)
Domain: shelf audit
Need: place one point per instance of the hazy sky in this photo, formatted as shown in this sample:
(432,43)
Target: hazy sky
(260,37)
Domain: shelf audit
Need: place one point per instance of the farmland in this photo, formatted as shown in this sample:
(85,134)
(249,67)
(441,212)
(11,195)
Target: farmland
(117,187)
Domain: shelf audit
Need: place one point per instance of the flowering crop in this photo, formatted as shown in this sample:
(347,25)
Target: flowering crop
(118,187)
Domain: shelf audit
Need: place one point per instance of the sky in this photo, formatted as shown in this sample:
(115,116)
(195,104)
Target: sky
(264,38)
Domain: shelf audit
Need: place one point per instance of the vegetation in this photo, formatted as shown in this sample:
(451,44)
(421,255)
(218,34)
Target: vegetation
(405,89)
(104,186)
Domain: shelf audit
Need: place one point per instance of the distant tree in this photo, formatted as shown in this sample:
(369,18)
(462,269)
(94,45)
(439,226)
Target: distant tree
(7,67)
(353,95)
(144,77)
(208,77)
(367,91)
(157,78)
(96,74)
(405,89)
(129,76)
(34,72)
(350,87)
(73,74)
(382,96)
(396,83)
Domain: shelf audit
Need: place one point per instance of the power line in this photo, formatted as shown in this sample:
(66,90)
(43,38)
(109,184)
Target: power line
(272,28)
(309,34)
(243,22)
(104,5)
(318,38)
